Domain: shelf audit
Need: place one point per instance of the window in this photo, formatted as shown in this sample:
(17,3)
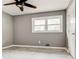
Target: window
(47,24)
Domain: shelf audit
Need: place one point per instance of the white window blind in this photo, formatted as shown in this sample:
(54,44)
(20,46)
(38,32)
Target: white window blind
(47,24)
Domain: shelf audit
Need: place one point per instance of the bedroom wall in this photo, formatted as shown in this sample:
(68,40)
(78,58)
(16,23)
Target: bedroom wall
(23,31)
(7,29)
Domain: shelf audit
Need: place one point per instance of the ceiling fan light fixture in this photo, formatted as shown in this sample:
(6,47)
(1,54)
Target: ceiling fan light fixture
(18,0)
(19,5)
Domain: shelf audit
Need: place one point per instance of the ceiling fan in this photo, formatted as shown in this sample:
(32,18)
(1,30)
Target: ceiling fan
(20,4)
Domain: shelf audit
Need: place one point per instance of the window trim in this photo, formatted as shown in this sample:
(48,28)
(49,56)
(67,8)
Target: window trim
(38,18)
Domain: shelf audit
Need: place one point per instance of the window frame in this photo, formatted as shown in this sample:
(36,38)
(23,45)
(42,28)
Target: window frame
(48,17)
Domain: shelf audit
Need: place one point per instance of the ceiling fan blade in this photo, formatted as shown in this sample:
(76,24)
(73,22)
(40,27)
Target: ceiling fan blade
(10,3)
(29,5)
(21,8)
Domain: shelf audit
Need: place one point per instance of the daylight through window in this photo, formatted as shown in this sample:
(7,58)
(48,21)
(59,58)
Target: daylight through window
(47,24)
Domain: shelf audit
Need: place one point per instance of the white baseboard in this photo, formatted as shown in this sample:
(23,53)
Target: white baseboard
(67,50)
(39,46)
(36,47)
(7,47)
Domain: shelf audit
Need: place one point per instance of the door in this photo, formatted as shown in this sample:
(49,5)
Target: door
(71,28)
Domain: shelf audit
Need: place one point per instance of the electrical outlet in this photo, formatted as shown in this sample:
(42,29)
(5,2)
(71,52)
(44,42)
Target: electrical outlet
(39,42)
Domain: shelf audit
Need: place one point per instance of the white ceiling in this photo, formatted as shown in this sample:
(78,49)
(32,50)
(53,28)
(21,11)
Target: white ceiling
(42,6)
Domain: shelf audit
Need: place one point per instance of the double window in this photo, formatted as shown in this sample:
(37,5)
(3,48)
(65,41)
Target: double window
(47,24)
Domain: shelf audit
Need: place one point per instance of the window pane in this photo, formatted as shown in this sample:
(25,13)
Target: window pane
(39,28)
(39,22)
(54,27)
(53,21)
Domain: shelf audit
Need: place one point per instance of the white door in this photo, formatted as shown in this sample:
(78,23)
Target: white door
(71,28)
(72,35)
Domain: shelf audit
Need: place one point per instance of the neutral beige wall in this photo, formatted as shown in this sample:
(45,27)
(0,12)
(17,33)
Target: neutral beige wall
(23,31)
(7,29)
